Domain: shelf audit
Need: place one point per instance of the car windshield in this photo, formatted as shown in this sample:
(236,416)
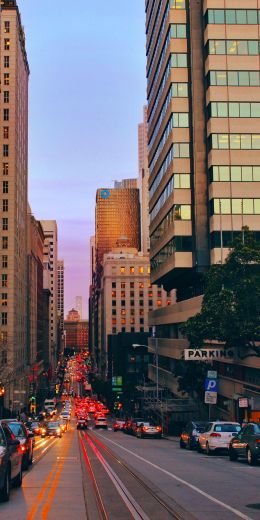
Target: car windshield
(53,425)
(227,428)
(17,429)
(257,429)
(146,424)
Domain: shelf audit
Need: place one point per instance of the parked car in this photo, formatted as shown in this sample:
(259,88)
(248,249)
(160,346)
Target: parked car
(217,436)
(190,434)
(126,426)
(82,423)
(26,438)
(101,422)
(246,444)
(10,461)
(134,423)
(145,429)
(118,425)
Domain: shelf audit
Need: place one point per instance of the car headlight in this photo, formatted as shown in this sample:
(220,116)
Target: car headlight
(58,430)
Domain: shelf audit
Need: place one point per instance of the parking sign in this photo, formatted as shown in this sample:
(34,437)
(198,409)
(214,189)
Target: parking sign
(211,385)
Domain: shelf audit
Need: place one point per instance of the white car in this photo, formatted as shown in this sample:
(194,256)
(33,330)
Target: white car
(101,422)
(217,436)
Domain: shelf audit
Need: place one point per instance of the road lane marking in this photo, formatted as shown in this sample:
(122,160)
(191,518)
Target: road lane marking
(136,511)
(184,482)
(42,493)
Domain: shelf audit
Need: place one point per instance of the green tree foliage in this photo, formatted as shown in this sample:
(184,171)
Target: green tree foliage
(230,310)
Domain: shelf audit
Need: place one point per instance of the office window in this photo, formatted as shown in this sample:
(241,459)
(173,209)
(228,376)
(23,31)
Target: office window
(113,294)
(6,78)
(141,303)
(5,204)
(141,269)
(4,318)
(141,312)
(113,285)
(123,321)
(179,89)
(6,132)
(6,96)
(122,303)
(4,280)
(123,329)
(132,285)
(123,312)
(7,44)
(5,150)
(235,173)
(6,62)
(122,294)
(6,114)
(132,321)
(141,294)
(122,269)
(141,329)
(181,150)
(132,294)
(132,270)
(5,186)
(4,262)
(113,321)
(6,27)
(4,224)
(132,302)
(4,242)
(180,120)
(4,299)
(113,312)
(141,321)
(150,294)
(234,141)
(132,312)
(178,30)
(150,303)
(5,168)
(178,60)
(123,285)
(113,330)
(178,4)
(113,303)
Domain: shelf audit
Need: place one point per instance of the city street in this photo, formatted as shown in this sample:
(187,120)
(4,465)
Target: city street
(111,475)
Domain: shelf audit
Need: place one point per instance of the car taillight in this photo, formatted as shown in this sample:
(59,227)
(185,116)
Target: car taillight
(22,448)
(145,428)
(215,435)
(158,428)
(258,441)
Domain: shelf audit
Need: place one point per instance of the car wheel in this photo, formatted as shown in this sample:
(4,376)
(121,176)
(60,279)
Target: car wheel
(208,450)
(17,481)
(250,457)
(189,445)
(5,491)
(232,455)
(199,448)
(182,445)
(31,459)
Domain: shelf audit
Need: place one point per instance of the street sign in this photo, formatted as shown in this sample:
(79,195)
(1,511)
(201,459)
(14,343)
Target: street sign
(212,374)
(211,385)
(208,354)
(211,397)
(243,402)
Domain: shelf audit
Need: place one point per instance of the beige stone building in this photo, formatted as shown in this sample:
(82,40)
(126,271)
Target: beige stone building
(13,207)
(203,79)
(50,262)
(127,295)
(60,298)
(143,180)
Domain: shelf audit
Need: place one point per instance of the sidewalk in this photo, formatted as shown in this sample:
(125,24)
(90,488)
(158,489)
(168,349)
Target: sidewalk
(172,438)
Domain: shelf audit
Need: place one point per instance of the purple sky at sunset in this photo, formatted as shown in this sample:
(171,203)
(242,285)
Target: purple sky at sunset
(87,90)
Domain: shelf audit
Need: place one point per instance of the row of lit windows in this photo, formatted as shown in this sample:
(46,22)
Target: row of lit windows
(233,109)
(132,285)
(235,206)
(233,16)
(176,244)
(234,141)
(239,78)
(233,47)
(177,212)
(132,312)
(235,173)
(123,321)
(114,294)
(122,303)
(133,269)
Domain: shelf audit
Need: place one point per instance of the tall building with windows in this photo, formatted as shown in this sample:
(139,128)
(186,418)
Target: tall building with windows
(50,261)
(60,299)
(203,78)
(13,204)
(79,305)
(143,182)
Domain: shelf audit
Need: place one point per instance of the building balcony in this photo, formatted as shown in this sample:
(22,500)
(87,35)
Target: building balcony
(168,380)
(176,313)
(168,347)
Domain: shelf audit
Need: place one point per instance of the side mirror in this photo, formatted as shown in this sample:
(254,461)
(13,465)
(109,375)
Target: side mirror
(13,442)
(30,435)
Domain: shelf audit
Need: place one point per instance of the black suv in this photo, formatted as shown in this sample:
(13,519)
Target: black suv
(246,443)
(10,461)
(21,433)
(190,434)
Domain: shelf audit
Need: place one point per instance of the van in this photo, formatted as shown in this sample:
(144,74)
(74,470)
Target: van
(50,403)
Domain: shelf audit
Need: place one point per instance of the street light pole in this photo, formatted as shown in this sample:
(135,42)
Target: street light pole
(157,369)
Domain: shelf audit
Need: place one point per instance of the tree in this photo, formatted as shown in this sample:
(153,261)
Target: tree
(230,310)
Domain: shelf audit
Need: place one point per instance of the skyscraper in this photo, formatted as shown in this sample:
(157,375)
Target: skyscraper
(117,219)
(79,306)
(143,182)
(203,79)
(13,207)
(51,282)
(60,299)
